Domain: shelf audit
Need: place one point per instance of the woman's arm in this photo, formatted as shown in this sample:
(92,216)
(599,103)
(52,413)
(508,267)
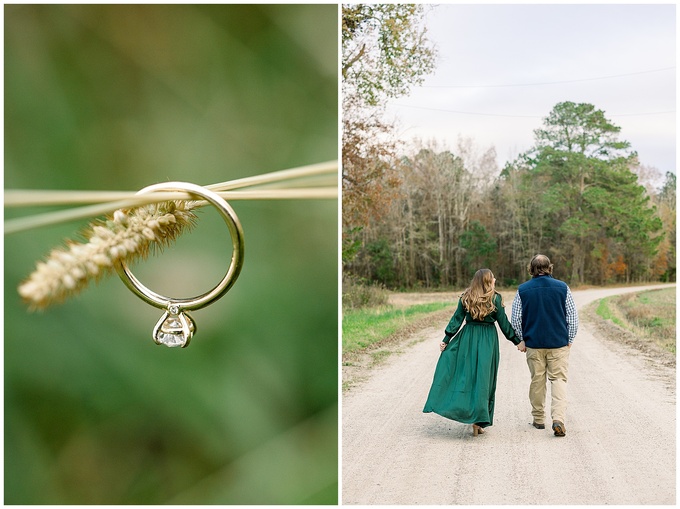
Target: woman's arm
(455,323)
(504,323)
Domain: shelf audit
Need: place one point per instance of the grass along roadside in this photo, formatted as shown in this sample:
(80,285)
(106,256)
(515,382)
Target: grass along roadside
(649,316)
(364,328)
(370,336)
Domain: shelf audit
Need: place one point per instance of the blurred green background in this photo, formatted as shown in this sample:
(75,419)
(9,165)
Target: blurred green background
(120,97)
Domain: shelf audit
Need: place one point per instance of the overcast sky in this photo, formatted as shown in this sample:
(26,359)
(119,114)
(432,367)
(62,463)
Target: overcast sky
(556,53)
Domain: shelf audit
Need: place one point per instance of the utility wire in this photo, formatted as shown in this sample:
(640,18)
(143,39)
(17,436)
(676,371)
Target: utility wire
(522,116)
(552,82)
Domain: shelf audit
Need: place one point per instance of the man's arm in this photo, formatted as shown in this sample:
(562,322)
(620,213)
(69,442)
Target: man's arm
(572,317)
(516,318)
(516,322)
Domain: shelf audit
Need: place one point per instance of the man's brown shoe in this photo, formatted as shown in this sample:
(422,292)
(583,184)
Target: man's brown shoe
(559,429)
(537,425)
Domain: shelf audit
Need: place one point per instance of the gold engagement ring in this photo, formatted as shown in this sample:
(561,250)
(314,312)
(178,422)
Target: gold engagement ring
(176,327)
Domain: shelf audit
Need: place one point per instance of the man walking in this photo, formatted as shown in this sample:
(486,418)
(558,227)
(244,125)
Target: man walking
(544,317)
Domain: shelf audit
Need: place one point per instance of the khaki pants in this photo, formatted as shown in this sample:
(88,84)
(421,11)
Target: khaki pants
(553,364)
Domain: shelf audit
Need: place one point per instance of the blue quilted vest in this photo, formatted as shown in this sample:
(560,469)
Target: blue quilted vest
(544,312)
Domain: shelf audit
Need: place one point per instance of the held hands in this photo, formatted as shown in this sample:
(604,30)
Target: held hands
(522,347)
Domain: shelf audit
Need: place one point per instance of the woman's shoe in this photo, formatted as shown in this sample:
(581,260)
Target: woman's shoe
(477,430)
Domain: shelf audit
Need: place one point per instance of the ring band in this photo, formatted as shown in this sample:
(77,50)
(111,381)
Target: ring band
(229,278)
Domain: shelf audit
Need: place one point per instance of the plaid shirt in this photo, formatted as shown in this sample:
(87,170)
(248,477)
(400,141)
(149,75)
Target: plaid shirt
(572,316)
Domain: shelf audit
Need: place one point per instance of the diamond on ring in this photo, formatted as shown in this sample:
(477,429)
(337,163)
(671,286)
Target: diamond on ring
(174,329)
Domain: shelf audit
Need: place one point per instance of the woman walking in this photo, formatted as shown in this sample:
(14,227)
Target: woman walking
(464,385)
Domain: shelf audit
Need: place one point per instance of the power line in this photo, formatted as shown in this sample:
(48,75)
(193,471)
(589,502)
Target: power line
(523,116)
(551,82)
(466,112)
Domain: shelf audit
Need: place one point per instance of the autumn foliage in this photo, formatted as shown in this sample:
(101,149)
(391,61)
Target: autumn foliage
(575,196)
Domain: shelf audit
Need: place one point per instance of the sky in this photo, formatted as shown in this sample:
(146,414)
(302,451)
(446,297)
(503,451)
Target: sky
(502,68)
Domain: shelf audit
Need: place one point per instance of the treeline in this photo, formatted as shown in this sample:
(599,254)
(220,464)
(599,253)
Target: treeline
(575,196)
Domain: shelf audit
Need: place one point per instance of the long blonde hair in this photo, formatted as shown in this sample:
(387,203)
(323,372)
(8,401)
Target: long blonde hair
(478,297)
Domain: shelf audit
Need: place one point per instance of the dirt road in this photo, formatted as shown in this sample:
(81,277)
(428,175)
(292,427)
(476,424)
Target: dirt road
(619,449)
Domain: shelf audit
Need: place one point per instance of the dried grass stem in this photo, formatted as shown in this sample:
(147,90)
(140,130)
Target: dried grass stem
(108,201)
(138,224)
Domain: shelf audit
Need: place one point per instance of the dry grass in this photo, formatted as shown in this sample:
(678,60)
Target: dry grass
(649,315)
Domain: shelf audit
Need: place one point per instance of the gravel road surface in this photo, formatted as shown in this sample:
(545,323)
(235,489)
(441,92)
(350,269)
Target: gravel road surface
(620,445)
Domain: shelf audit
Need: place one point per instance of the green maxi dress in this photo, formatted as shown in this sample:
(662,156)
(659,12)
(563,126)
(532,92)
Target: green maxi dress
(464,385)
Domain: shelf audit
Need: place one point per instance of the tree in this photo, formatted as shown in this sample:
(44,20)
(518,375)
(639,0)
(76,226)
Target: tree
(479,247)
(667,191)
(384,50)
(665,264)
(422,236)
(368,159)
(580,129)
(589,191)
(438,190)
(518,223)
(575,196)
(384,53)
